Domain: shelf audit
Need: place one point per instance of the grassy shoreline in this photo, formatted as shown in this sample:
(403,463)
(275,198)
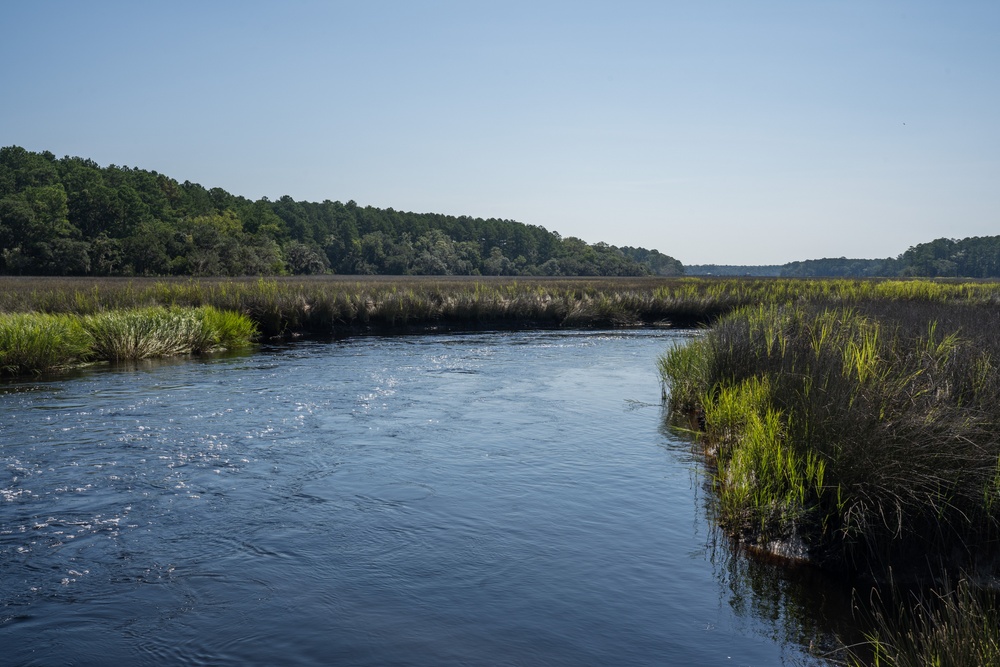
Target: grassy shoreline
(864,435)
(32,343)
(331,305)
(347,305)
(868,431)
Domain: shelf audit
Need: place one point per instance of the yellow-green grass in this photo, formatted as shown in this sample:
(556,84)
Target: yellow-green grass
(33,342)
(44,342)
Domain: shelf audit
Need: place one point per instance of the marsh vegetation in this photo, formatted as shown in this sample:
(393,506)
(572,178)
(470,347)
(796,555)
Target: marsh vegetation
(864,434)
(856,422)
(343,305)
(328,304)
(44,342)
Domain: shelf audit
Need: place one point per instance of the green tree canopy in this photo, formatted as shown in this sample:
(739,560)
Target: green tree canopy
(72,216)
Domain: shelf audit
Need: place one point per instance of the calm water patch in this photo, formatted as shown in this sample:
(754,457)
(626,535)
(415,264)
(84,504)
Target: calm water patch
(478,499)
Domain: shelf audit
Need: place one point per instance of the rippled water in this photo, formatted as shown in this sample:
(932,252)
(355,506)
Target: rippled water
(479,499)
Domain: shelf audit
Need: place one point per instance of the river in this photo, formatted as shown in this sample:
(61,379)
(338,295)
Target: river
(508,498)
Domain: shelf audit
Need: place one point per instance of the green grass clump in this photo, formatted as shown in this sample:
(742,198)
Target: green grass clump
(223,330)
(163,332)
(684,370)
(36,343)
(39,342)
(767,485)
(143,334)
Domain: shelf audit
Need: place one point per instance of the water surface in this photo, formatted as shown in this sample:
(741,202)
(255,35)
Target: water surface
(477,499)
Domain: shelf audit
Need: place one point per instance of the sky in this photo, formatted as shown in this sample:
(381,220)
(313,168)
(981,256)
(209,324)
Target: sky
(716,132)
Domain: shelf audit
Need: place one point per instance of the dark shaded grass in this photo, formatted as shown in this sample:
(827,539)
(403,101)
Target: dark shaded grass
(949,626)
(340,305)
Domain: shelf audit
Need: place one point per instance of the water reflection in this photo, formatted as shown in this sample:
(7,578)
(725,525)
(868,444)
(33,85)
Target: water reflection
(796,603)
(800,604)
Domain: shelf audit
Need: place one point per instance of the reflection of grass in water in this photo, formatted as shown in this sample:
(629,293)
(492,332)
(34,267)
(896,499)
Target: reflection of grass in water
(804,608)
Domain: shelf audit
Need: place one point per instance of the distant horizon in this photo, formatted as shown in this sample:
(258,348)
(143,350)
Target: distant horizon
(591,241)
(720,132)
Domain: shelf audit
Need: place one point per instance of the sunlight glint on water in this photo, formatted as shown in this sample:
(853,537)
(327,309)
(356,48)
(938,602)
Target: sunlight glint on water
(495,498)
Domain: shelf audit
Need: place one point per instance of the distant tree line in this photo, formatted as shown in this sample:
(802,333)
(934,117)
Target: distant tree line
(841,267)
(974,257)
(70,216)
(728,270)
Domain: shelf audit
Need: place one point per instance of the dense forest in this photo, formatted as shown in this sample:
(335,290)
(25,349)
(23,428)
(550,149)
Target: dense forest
(70,216)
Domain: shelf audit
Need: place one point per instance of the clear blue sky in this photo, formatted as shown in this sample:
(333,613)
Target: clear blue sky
(717,132)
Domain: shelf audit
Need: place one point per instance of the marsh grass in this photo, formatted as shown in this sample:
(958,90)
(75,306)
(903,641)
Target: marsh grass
(331,305)
(222,330)
(873,429)
(34,343)
(40,342)
(953,626)
(143,334)
(684,369)
(870,431)
(766,485)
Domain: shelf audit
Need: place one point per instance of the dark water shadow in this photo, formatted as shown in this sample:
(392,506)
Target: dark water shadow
(801,605)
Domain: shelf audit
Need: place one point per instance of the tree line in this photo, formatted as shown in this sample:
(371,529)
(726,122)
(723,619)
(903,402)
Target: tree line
(972,257)
(70,216)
